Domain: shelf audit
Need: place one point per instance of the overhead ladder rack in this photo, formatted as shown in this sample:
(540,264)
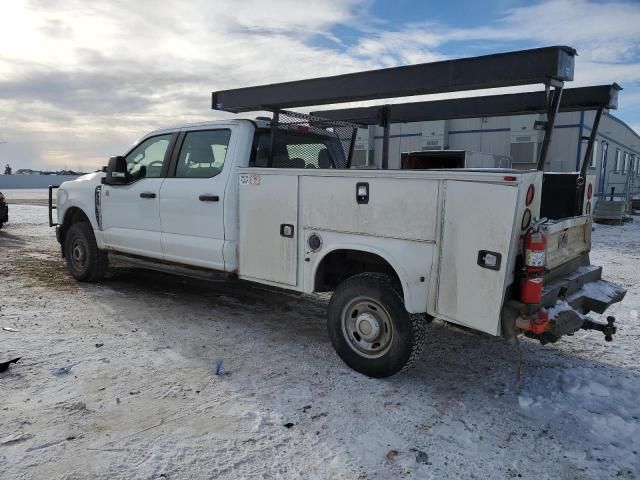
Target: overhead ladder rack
(549,66)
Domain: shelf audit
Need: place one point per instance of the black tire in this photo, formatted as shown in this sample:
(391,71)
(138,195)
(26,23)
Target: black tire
(85,261)
(370,304)
(1,224)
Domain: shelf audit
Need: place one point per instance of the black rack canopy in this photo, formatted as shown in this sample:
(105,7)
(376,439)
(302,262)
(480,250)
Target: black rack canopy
(549,65)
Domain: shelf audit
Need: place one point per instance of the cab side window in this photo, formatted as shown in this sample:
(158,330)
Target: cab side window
(203,153)
(145,160)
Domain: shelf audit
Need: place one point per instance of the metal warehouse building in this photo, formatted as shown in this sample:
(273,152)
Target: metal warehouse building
(615,161)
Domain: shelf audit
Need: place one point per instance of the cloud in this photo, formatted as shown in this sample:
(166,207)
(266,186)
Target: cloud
(83,68)
(605,34)
(79,81)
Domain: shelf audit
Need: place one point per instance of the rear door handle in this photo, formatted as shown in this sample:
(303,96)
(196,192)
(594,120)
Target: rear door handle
(489,259)
(147,195)
(209,198)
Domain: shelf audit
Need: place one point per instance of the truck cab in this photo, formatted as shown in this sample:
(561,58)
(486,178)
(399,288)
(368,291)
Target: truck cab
(178,198)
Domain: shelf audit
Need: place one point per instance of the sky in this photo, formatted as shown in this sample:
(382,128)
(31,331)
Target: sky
(81,80)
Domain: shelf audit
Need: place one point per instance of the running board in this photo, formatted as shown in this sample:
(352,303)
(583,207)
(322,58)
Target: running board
(171,268)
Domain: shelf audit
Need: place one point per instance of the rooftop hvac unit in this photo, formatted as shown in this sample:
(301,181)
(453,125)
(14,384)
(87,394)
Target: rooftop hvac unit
(433,134)
(524,141)
(432,144)
(361,148)
(524,154)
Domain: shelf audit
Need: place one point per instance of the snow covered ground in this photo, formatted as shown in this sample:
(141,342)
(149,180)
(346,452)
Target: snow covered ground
(117,381)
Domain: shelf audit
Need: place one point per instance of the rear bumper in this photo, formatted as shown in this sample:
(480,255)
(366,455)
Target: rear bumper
(571,291)
(581,286)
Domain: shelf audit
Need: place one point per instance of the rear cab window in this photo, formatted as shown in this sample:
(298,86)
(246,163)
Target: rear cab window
(297,149)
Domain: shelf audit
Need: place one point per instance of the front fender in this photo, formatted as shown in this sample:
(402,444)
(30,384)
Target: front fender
(80,194)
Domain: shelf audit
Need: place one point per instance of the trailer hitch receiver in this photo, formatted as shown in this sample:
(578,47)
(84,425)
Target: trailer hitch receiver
(608,330)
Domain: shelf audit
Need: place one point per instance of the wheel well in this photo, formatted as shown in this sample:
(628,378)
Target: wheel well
(73,215)
(342,264)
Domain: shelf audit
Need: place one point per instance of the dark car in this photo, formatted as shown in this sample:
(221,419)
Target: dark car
(4,210)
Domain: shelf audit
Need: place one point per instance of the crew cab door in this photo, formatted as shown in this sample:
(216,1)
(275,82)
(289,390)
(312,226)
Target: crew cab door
(192,199)
(131,212)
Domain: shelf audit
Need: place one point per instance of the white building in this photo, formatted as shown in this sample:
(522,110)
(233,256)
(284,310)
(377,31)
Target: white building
(616,156)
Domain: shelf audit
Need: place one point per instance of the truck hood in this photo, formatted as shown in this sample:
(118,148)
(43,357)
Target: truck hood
(78,192)
(95,176)
(90,180)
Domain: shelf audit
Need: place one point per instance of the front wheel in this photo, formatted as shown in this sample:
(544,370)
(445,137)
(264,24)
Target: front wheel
(85,261)
(369,327)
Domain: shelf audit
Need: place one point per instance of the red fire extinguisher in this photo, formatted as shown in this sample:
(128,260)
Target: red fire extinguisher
(535,260)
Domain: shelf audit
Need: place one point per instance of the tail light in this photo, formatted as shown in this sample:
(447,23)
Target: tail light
(590,191)
(531,191)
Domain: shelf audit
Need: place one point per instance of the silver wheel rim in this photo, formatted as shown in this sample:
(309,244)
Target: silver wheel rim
(367,327)
(79,253)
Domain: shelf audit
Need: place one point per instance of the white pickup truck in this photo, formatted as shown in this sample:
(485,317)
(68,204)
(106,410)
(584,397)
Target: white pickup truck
(396,247)
(275,202)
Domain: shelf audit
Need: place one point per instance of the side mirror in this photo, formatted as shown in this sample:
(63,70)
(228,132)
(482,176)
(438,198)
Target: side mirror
(117,171)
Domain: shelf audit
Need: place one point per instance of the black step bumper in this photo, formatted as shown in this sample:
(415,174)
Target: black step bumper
(581,285)
(571,291)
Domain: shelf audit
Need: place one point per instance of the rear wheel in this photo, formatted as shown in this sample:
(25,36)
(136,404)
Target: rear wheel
(85,261)
(369,327)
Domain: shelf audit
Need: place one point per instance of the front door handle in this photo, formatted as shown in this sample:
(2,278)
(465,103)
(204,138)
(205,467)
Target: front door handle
(147,195)
(209,198)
